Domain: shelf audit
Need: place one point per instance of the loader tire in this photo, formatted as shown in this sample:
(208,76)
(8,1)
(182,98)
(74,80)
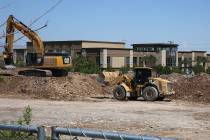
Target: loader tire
(119,93)
(150,93)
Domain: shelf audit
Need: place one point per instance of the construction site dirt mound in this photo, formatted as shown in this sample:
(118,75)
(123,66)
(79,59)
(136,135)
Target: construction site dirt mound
(191,88)
(76,86)
(79,86)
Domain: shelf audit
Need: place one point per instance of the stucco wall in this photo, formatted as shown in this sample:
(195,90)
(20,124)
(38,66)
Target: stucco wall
(117,62)
(118,53)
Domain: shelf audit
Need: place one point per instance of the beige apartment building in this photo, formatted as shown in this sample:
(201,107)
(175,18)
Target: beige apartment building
(153,54)
(188,59)
(208,59)
(105,54)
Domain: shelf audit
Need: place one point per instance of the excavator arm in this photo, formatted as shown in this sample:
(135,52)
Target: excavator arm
(12,24)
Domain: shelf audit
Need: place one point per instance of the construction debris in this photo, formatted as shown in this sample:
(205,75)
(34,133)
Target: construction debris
(79,86)
(74,87)
(191,88)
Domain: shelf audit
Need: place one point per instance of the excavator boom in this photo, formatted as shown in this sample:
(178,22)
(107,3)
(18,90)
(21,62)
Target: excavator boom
(55,62)
(12,24)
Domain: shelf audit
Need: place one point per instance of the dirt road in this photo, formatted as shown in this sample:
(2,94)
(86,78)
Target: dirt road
(169,119)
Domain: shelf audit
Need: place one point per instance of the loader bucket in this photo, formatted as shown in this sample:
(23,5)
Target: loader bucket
(109,77)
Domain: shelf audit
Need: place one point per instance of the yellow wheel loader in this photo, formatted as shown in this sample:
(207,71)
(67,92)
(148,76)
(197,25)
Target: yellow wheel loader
(41,61)
(142,85)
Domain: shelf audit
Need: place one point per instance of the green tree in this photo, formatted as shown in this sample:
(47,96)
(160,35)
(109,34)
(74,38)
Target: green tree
(149,61)
(163,70)
(83,65)
(198,69)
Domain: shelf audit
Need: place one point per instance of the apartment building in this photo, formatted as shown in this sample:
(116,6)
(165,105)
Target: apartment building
(208,60)
(188,59)
(19,55)
(153,54)
(105,54)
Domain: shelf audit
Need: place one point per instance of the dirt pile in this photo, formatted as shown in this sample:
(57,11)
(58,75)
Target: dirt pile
(73,87)
(194,88)
(78,86)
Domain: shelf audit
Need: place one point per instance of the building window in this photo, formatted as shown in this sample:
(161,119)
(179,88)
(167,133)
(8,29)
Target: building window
(141,62)
(135,61)
(98,60)
(50,51)
(108,62)
(58,50)
(127,61)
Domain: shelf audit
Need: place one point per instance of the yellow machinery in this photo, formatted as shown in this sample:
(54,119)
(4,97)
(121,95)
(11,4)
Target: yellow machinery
(55,62)
(142,85)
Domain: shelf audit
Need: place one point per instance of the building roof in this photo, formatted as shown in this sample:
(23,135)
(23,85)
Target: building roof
(184,51)
(112,48)
(155,45)
(200,51)
(192,51)
(78,42)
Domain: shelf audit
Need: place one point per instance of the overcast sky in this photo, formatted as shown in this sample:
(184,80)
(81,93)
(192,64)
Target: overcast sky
(186,22)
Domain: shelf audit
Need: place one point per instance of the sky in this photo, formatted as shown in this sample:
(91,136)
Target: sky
(185,22)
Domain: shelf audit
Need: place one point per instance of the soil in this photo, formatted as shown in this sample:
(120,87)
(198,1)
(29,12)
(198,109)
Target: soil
(79,86)
(176,119)
(90,105)
(191,88)
(76,86)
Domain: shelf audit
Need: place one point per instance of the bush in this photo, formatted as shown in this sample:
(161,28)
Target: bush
(25,119)
(162,70)
(198,69)
(176,70)
(124,70)
(83,65)
(20,64)
(109,69)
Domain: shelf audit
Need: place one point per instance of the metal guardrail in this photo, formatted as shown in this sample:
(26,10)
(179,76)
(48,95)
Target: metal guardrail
(57,131)
(25,128)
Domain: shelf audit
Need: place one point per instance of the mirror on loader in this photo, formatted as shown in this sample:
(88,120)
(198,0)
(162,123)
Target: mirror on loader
(143,84)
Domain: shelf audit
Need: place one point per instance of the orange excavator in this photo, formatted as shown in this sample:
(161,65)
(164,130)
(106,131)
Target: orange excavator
(57,63)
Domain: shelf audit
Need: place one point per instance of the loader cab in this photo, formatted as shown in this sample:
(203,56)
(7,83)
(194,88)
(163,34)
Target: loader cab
(142,75)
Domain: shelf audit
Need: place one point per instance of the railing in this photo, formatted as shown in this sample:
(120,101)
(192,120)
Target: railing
(25,128)
(57,132)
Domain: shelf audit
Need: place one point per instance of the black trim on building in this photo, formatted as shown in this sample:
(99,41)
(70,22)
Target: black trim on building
(75,42)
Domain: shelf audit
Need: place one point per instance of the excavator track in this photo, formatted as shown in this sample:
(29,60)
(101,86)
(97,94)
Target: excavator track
(59,72)
(37,73)
(43,73)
